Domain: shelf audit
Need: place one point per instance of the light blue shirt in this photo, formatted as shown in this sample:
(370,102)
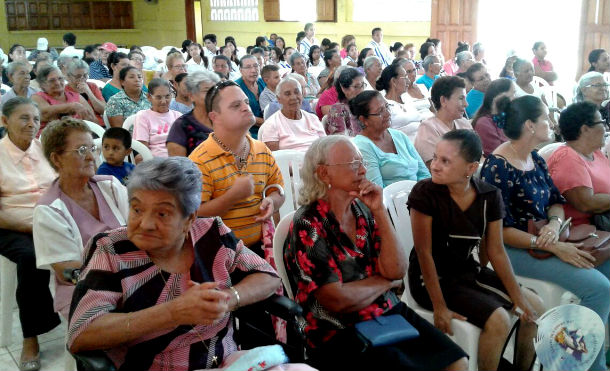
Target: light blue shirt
(426,80)
(475,100)
(386,168)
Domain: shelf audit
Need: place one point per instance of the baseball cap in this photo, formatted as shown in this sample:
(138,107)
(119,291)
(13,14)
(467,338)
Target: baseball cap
(108,46)
(42,44)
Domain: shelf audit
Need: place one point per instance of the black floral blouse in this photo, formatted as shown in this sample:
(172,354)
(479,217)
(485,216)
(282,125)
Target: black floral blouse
(188,132)
(318,252)
(526,194)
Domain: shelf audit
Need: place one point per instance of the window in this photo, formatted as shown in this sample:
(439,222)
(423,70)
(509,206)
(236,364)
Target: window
(68,15)
(300,10)
(392,11)
(234,10)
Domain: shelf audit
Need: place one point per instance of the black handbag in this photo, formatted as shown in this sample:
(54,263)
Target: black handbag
(602,221)
(505,364)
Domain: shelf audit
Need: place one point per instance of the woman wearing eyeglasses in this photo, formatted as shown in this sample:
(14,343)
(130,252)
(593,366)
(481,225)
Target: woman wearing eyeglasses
(54,102)
(592,87)
(579,169)
(77,206)
(78,73)
(394,81)
(343,261)
(389,154)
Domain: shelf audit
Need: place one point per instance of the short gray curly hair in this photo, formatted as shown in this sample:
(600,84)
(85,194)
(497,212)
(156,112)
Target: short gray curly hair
(313,188)
(194,79)
(176,175)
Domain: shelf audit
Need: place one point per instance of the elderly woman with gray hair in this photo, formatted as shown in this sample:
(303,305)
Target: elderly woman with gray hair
(77,73)
(77,206)
(192,271)
(55,102)
(343,260)
(18,73)
(432,69)
(291,127)
(299,65)
(372,70)
(190,129)
(592,87)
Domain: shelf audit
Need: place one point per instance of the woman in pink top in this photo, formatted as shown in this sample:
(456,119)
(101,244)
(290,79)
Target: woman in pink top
(152,125)
(291,127)
(483,123)
(55,102)
(448,94)
(542,67)
(579,169)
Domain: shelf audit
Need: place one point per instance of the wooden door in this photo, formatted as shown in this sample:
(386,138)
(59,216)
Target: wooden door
(594,30)
(453,21)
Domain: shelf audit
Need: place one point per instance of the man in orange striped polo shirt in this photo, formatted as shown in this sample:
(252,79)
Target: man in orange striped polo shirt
(236,168)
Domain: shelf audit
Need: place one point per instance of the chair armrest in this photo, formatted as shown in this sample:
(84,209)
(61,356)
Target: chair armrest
(94,360)
(279,306)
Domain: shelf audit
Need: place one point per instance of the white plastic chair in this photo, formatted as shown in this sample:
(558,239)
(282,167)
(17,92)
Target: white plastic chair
(281,232)
(106,122)
(548,150)
(289,162)
(129,123)
(8,287)
(95,128)
(100,84)
(141,149)
(395,198)
(5,88)
(99,159)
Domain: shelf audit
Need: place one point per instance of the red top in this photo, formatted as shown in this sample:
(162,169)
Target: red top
(71,97)
(328,98)
(98,94)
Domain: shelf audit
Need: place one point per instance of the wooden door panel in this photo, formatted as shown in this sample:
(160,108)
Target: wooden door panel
(453,21)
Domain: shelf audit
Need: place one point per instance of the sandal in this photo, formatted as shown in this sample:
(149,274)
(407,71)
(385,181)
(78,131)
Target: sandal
(33,365)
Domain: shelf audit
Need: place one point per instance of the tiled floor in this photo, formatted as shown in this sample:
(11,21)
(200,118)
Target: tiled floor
(52,348)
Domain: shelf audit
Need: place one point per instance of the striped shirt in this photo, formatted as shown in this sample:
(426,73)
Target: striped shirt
(219,174)
(382,52)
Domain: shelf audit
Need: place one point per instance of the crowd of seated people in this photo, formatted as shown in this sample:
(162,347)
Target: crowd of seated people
(197,221)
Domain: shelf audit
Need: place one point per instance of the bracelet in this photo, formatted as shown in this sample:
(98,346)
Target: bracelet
(555,217)
(236,295)
(533,242)
(128,326)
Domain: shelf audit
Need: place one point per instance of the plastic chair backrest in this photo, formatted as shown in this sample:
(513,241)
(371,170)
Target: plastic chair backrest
(290,162)
(540,81)
(99,159)
(95,128)
(395,198)
(546,151)
(281,232)
(129,123)
(5,88)
(105,118)
(141,149)
(100,84)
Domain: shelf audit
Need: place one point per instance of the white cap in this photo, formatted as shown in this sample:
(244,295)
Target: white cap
(42,44)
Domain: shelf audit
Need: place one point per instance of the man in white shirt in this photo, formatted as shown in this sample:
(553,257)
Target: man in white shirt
(69,49)
(380,49)
(309,40)
(211,46)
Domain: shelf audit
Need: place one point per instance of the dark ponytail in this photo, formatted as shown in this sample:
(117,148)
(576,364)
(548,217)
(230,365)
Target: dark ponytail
(512,115)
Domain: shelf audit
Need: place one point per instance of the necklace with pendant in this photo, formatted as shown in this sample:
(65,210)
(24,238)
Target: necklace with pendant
(215,357)
(240,160)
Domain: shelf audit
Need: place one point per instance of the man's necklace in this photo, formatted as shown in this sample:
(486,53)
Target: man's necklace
(240,160)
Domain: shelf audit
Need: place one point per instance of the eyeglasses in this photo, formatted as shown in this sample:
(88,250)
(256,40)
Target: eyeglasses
(84,150)
(213,92)
(58,79)
(591,124)
(410,71)
(250,67)
(80,77)
(354,165)
(600,85)
(384,109)
(358,86)
(180,66)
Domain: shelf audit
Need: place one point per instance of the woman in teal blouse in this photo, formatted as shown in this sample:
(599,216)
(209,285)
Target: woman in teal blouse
(389,154)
